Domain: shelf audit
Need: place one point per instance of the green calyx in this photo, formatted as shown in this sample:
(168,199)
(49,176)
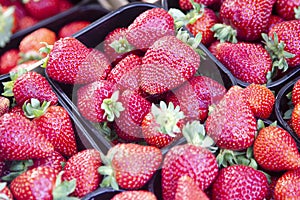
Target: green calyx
(277,53)
(194,134)
(107,171)
(32,55)
(167,117)
(121,45)
(2,195)
(8,86)
(297,12)
(17,168)
(34,109)
(6,25)
(112,107)
(224,33)
(63,189)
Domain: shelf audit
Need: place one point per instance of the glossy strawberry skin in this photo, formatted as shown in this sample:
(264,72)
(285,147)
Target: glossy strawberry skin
(36,183)
(149,27)
(167,63)
(27,22)
(4,105)
(196,162)
(186,4)
(72,28)
(20,140)
(285,9)
(287,186)
(57,127)
(83,167)
(55,161)
(42,9)
(33,85)
(246,61)
(275,150)
(9,60)
(289,33)
(240,182)
(274,19)
(145,195)
(296,93)
(296,119)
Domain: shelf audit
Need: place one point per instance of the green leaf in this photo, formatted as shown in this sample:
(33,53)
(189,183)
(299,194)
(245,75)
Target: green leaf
(2,186)
(288,114)
(297,12)
(260,124)
(64,189)
(121,45)
(112,107)
(3,196)
(224,33)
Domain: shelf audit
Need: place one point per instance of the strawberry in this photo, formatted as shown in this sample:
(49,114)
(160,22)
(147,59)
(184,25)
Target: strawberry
(274,19)
(162,125)
(128,124)
(275,150)
(288,185)
(145,195)
(196,95)
(9,60)
(98,101)
(126,73)
(25,65)
(271,189)
(296,93)
(187,5)
(150,26)
(29,85)
(296,119)
(4,105)
(65,5)
(247,18)
(240,182)
(88,65)
(248,62)
(130,166)
(8,24)
(17,109)
(5,192)
(168,63)
(231,123)
(42,9)
(260,99)
(72,28)
(55,161)
(27,22)
(20,140)
(186,189)
(287,9)
(189,159)
(83,168)
(54,123)
(2,167)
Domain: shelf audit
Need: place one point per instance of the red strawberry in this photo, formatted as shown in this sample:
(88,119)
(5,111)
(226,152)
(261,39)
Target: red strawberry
(189,159)
(26,65)
(130,166)
(271,189)
(20,139)
(9,60)
(187,5)
(128,124)
(27,22)
(29,85)
(296,119)
(168,63)
(296,93)
(240,182)
(88,65)
(126,73)
(8,24)
(288,185)
(274,19)
(4,105)
(54,123)
(17,109)
(150,26)
(286,9)
(72,28)
(186,189)
(42,9)
(83,168)
(260,99)
(55,161)
(65,5)
(275,150)
(232,124)
(248,62)
(162,125)
(145,195)
(5,193)
(196,95)
(98,101)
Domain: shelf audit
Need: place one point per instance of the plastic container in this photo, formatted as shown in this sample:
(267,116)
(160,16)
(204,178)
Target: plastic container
(90,13)
(281,106)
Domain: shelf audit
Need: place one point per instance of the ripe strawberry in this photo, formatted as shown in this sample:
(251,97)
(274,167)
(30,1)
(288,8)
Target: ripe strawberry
(8,24)
(296,119)
(186,189)
(240,182)
(42,9)
(88,65)
(55,161)
(275,150)
(130,166)
(187,5)
(248,62)
(26,65)
(195,96)
(5,192)
(72,28)
(274,19)
(260,99)
(168,63)
(17,109)
(4,105)
(126,73)
(189,159)
(296,93)
(9,60)
(287,9)
(83,168)
(65,5)
(128,124)
(232,124)
(20,139)
(288,185)
(162,125)
(27,22)
(149,26)
(98,101)
(145,195)
(54,123)
(29,85)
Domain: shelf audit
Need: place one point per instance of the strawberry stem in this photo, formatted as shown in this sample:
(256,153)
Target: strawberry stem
(121,45)
(224,33)
(17,168)
(63,189)
(112,107)
(34,109)
(6,24)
